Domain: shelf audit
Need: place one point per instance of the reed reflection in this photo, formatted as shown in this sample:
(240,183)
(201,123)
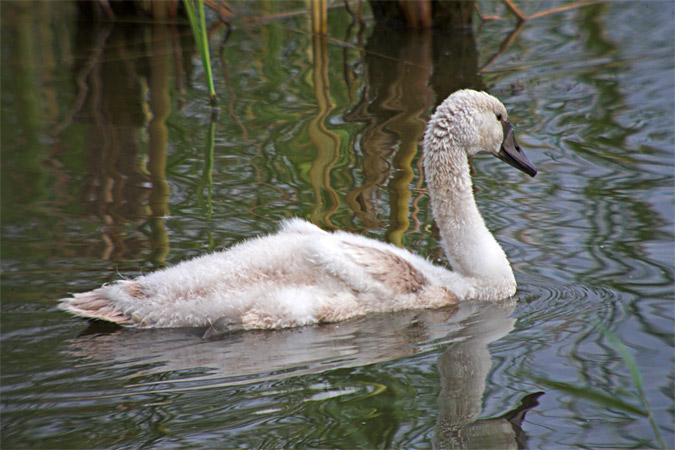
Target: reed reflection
(109,79)
(122,77)
(407,71)
(326,142)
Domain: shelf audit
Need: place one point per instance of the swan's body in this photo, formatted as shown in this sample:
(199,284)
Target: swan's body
(303,275)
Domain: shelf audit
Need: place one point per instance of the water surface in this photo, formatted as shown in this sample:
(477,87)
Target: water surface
(108,172)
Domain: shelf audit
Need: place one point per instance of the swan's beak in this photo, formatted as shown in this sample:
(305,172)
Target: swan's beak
(512,154)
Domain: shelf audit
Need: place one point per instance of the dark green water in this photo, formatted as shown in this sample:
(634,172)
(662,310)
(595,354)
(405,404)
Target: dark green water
(107,172)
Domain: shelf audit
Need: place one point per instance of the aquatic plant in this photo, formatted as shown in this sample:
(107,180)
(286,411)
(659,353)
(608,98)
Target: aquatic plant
(636,376)
(197,18)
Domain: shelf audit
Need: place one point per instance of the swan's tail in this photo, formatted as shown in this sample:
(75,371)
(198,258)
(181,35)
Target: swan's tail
(96,304)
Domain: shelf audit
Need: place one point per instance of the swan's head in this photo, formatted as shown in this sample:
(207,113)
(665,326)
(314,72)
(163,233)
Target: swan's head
(477,122)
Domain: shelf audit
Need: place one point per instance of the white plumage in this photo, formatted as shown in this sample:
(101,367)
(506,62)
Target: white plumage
(303,275)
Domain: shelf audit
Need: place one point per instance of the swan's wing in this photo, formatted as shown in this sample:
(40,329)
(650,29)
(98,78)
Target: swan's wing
(301,226)
(387,267)
(223,325)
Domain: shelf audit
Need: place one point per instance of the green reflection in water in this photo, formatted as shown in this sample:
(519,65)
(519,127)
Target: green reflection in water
(111,166)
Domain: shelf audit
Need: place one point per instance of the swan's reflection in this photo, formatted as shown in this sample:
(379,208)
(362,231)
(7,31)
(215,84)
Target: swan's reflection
(249,355)
(463,369)
(253,356)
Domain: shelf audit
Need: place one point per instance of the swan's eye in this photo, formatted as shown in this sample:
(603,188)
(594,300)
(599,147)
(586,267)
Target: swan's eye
(499,116)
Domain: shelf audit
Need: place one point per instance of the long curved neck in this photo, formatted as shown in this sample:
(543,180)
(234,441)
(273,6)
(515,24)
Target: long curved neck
(469,246)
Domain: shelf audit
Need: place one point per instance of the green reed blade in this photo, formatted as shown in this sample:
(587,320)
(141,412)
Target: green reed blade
(590,394)
(635,375)
(205,54)
(198,25)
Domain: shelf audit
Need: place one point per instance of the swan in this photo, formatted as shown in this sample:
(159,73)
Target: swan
(303,275)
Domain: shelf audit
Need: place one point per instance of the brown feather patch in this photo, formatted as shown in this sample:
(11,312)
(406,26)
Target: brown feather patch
(388,268)
(134,289)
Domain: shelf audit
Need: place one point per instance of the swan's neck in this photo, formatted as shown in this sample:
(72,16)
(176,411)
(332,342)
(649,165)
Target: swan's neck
(470,248)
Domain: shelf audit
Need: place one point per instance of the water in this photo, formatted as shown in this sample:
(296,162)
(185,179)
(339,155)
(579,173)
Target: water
(107,172)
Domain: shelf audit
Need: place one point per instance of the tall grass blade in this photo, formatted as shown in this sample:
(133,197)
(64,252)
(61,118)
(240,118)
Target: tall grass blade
(591,395)
(635,375)
(198,25)
(206,58)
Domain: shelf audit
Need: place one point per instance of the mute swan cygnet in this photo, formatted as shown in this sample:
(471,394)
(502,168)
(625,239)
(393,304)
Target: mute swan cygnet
(303,275)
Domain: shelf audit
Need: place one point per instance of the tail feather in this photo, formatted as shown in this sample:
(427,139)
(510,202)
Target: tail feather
(94,305)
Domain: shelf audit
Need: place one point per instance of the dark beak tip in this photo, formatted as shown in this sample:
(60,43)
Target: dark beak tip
(511,153)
